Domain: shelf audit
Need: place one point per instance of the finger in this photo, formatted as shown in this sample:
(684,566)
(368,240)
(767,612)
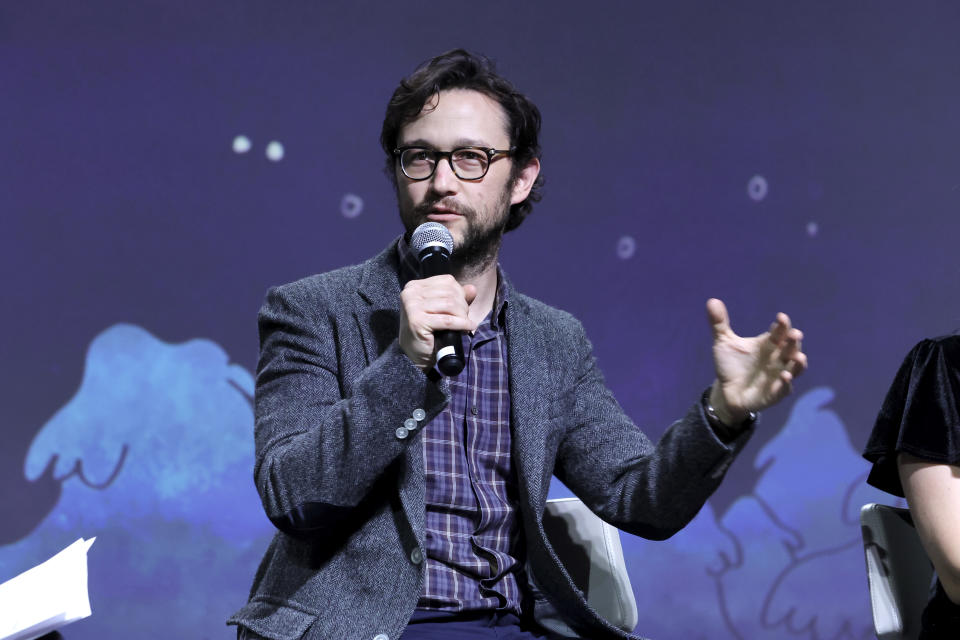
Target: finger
(439,296)
(718,317)
(791,345)
(442,279)
(787,379)
(426,284)
(437,286)
(439,322)
(416,307)
(797,365)
(779,328)
(433,322)
(445,304)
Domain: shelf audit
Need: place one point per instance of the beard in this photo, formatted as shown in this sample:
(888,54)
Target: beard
(482,235)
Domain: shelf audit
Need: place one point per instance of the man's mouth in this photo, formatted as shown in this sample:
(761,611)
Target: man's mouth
(443,214)
(439,212)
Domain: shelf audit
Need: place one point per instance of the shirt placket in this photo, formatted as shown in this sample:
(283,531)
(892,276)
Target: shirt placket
(481,439)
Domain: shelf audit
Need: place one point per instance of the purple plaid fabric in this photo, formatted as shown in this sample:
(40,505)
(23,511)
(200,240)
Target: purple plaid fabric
(472,530)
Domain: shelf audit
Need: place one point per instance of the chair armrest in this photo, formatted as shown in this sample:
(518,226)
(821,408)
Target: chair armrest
(591,552)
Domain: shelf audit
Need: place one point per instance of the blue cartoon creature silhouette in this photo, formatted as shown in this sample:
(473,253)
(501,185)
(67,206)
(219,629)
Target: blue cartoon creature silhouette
(155,456)
(784,562)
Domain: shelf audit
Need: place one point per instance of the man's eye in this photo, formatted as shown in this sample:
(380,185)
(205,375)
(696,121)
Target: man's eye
(470,156)
(421,155)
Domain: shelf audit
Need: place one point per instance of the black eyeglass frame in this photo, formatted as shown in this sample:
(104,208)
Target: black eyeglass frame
(491,153)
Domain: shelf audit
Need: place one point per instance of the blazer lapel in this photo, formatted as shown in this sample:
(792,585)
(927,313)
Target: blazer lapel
(378,314)
(378,321)
(528,412)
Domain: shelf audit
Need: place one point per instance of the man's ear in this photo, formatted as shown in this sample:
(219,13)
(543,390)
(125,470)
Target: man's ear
(524,182)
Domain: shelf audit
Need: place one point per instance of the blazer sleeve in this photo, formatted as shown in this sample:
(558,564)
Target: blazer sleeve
(649,489)
(321,449)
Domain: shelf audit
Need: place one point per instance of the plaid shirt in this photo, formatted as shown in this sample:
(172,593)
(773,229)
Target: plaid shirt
(472,529)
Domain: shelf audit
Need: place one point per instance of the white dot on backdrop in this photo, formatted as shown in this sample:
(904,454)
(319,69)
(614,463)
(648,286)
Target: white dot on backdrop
(626,247)
(241,144)
(351,205)
(812,229)
(275,151)
(757,188)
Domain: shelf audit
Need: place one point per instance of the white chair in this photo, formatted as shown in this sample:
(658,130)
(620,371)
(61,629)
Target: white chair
(590,550)
(898,571)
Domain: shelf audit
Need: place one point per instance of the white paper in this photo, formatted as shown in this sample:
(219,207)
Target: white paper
(46,597)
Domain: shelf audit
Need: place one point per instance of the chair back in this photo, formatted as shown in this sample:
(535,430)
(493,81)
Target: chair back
(898,571)
(591,552)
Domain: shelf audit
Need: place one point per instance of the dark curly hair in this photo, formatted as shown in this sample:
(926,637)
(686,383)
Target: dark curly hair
(459,69)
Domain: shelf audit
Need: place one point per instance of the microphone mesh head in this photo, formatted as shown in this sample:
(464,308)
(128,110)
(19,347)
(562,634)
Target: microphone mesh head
(431,234)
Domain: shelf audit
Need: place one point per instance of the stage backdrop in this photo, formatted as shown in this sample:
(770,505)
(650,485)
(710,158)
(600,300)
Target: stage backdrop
(163,163)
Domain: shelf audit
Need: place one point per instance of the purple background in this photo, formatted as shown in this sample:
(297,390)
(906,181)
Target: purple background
(123,201)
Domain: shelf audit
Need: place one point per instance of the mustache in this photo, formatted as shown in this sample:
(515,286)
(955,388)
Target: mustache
(424,208)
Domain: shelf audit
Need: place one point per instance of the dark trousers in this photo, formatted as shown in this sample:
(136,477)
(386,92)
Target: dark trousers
(438,625)
(490,625)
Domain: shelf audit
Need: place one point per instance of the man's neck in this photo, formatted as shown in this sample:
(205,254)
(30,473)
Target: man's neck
(485,280)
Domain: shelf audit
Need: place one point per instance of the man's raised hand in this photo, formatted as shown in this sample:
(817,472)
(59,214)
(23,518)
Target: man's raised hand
(752,373)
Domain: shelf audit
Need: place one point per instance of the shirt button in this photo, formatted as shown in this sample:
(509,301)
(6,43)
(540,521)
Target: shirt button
(381,636)
(419,415)
(416,556)
(474,410)
(410,424)
(402,432)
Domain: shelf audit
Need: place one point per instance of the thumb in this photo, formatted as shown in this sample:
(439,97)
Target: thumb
(717,314)
(469,292)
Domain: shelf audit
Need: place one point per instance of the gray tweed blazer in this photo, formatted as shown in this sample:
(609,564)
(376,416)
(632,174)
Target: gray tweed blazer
(347,492)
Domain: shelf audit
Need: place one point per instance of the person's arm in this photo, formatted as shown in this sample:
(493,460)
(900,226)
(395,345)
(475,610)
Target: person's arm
(933,493)
(327,425)
(654,490)
(648,489)
(322,441)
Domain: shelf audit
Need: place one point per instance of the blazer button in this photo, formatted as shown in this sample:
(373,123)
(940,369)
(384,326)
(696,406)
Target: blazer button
(401,432)
(410,424)
(419,415)
(416,556)
(381,636)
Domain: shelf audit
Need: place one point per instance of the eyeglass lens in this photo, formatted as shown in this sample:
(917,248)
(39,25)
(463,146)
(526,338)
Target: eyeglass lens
(467,163)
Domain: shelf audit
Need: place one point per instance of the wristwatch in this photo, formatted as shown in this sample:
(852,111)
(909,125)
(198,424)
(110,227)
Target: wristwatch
(725,431)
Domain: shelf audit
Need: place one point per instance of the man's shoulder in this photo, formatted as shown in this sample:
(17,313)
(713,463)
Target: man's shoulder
(541,315)
(378,271)
(339,279)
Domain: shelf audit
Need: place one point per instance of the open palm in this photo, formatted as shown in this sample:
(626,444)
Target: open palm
(756,372)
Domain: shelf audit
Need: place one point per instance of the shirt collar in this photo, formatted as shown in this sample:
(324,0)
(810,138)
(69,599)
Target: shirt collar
(410,270)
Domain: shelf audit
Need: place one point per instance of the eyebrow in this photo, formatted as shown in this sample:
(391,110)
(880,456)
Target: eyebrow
(460,142)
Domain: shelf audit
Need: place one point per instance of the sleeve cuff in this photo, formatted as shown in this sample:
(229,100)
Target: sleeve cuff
(727,434)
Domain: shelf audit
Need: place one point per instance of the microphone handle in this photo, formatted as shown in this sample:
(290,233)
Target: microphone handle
(434,261)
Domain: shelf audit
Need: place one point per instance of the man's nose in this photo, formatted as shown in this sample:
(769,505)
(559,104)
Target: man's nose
(444,180)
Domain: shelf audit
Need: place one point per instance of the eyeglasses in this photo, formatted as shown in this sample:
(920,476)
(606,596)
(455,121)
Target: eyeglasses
(467,163)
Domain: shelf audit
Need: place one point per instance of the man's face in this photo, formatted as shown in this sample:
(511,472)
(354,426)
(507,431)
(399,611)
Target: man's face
(475,211)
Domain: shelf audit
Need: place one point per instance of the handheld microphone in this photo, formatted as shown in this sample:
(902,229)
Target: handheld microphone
(433,244)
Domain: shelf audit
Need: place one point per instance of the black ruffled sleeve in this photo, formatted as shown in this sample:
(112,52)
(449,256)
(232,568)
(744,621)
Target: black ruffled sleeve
(920,414)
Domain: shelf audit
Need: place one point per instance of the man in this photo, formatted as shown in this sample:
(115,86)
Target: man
(410,504)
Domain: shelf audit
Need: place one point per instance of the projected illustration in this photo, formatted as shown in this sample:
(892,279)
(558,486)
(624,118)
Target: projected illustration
(784,561)
(155,453)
